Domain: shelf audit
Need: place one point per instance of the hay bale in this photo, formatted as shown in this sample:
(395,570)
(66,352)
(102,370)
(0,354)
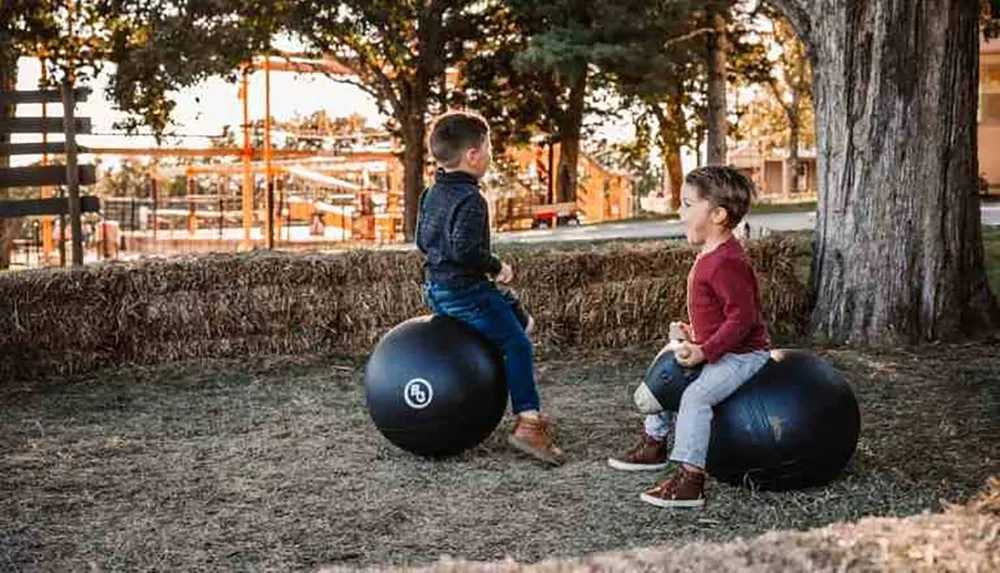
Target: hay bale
(62,322)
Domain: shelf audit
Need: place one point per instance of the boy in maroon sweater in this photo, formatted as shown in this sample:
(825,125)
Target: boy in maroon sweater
(727,335)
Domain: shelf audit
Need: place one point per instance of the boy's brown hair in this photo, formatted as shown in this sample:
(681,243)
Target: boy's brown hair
(725,187)
(454,133)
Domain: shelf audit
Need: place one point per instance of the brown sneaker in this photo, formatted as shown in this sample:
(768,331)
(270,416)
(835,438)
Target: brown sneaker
(682,488)
(534,436)
(649,454)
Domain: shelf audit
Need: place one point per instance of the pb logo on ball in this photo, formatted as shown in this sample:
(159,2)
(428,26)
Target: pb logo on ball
(418,393)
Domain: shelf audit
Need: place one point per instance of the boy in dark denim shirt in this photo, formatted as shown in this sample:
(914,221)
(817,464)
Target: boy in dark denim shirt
(453,233)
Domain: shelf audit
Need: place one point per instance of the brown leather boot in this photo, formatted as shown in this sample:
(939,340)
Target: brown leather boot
(650,454)
(683,488)
(534,436)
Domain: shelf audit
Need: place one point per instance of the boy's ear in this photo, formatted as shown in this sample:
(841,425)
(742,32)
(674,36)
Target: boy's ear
(720,216)
(471,155)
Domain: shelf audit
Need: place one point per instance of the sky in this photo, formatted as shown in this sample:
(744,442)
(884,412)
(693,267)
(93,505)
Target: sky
(205,108)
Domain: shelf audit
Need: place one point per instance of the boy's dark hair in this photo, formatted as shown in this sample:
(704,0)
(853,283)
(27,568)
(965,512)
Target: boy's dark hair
(725,187)
(454,133)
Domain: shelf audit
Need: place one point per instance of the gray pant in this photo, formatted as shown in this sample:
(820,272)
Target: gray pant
(717,382)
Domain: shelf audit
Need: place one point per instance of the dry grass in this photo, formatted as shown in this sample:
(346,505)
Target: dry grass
(258,463)
(255,465)
(961,540)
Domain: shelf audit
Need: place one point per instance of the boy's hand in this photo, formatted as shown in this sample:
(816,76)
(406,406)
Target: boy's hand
(690,355)
(684,329)
(505,275)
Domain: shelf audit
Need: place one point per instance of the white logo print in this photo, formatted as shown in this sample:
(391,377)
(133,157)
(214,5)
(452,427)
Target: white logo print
(418,393)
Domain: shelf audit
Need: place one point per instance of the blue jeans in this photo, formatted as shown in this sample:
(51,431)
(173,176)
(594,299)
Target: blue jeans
(484,308)
(693,421)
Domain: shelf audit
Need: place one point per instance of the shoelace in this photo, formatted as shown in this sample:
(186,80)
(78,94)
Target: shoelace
(672,482)
(544,426)
(644,442)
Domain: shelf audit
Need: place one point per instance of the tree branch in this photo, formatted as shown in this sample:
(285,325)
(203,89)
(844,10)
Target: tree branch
(350,82)
(688,36)
(800,14)
(375,71)
(773,84)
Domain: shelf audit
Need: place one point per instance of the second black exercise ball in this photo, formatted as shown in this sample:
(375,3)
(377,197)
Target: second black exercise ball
(435,387)
(794,424)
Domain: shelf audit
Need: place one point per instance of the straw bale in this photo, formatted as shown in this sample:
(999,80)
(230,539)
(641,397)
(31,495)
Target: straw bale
(60,322)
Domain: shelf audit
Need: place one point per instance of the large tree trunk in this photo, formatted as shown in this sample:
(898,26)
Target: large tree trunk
(673,130)
(72,182)
(8,81)
(673,162)
(9,228)
(413,113)
(793,151)
(717,126)
(412,118)
(9,231)
(414,131)
(569,140)
(898,252)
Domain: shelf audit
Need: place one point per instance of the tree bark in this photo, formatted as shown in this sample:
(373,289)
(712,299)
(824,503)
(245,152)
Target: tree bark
(9,231)
(9,228)
(8,81)
(674,168)
(898,254)
(797,87)
(699,138)
(717,124)
(414,152)
(412,111)
(793,148)
(72,180)
(673,131)
(569,142)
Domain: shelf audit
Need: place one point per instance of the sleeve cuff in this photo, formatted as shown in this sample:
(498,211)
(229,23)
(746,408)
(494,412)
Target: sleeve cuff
(711,352)
(495,264)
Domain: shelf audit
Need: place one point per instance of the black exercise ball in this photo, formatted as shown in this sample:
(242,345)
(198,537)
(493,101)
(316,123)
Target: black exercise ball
(794,424)
(435,387)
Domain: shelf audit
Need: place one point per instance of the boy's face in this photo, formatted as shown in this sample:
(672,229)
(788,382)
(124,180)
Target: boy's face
(479,159)
(702,220)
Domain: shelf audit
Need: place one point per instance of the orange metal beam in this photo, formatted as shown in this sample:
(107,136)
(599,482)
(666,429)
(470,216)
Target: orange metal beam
(247,155)
(269,221)
(195,152)
(310,67)
(301,63)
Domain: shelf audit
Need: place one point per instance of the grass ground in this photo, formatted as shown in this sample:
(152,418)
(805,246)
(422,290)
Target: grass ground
(275,466)
(991,245)
(258,465)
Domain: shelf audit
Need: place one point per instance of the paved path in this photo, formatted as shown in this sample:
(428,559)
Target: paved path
(673,229)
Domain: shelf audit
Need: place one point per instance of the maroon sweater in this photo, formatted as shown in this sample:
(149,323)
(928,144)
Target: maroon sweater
(724,303)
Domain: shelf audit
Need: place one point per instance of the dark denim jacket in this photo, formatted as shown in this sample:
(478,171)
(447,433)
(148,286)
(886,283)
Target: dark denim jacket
(453,231)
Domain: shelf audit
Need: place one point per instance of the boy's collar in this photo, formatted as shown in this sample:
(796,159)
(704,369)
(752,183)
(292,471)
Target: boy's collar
(456,175)
(725,241)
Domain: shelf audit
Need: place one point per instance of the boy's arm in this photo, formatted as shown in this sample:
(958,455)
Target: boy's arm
(735,291)
(468,230)
(420,216)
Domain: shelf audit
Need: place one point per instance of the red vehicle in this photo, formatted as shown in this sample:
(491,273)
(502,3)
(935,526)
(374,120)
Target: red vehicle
(555,215)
